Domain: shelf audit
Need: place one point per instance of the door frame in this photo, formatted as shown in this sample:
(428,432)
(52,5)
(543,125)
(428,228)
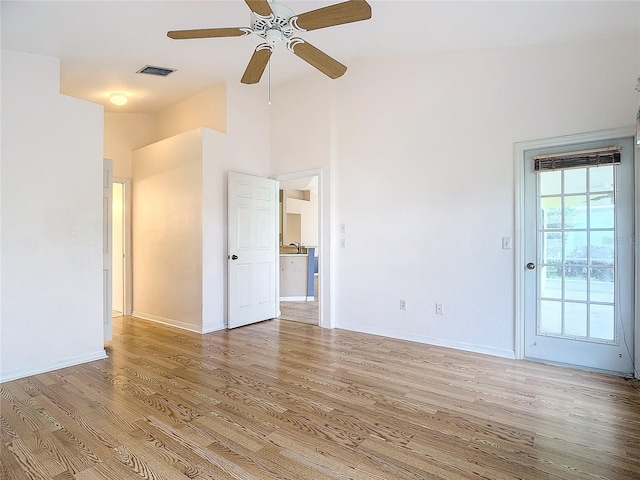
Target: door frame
(107,245)
(316,172)
(128,264)
(520,149)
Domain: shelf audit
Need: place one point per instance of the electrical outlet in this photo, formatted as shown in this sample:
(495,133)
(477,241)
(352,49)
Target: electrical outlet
(403,304)
(439,309)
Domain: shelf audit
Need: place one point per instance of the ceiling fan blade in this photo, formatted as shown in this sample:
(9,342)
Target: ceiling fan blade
(261,7)
(338,14)
(257,64)
(208,33)
(317,58)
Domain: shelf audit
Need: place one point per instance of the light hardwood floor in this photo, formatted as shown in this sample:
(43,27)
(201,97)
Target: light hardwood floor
(305,312)
(285,400)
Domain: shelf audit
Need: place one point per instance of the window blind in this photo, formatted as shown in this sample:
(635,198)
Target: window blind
(582,158)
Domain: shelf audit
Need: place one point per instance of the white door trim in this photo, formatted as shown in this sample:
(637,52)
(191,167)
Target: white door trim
(321,251)
(107,266)
(520,149)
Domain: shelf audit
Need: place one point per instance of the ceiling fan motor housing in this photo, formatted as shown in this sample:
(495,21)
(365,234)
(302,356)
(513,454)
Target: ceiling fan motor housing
(275,27)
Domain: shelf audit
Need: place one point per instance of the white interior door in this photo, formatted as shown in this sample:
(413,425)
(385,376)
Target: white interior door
(252,249)
(579,280)
(107,207)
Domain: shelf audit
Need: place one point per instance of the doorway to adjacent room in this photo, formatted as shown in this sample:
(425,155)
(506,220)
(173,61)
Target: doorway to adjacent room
(300,246)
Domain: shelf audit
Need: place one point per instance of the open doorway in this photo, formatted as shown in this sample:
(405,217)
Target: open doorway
(299,244)
(121,270)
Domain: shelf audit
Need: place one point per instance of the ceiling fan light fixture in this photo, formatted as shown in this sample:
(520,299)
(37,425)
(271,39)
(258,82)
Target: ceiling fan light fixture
(118,99)
(273,37)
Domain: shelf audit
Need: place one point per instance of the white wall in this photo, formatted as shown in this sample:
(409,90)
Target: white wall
(124,133)
(167,232)
(180,205)
(52,155)
(245,149)
(206,109)
(423,175)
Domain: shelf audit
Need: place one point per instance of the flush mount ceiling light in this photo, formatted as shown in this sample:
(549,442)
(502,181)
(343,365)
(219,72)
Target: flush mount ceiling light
(118,98)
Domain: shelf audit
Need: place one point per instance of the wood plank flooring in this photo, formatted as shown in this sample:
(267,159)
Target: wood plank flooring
(305,312)
(285,400)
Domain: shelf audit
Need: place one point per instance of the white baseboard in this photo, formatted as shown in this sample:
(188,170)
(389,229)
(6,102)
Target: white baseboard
(166,321)
(467,347)
(43,368)
(300,298)
(213,328)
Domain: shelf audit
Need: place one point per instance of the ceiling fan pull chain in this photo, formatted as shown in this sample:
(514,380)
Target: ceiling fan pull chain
(269,81)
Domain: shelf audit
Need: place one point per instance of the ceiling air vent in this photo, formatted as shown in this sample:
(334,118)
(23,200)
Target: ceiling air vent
(158,71)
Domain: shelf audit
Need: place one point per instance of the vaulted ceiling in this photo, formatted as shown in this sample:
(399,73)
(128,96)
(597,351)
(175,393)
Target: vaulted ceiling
(102,44)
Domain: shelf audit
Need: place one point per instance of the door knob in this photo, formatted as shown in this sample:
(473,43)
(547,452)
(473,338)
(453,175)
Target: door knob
(531,265)
(233,257)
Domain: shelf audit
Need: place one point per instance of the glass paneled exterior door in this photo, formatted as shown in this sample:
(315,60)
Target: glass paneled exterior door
(579,240)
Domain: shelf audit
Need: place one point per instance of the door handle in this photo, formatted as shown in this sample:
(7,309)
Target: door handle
(531,266)
(233,257)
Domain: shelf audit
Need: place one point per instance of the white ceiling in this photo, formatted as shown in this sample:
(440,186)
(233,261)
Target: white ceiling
(102,44)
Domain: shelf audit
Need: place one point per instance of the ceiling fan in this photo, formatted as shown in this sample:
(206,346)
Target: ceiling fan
(275,22)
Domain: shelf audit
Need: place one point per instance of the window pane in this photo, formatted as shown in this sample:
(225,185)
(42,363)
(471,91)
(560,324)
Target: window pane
(551,282)
(575,212)
(601,250)
(602,284)
(601,322)
(575,283)
(551,248)
(601,211)
(575,180)
(575,248)
(550,317)
(601,179)
(575,319)
(550,183)
(551,212)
